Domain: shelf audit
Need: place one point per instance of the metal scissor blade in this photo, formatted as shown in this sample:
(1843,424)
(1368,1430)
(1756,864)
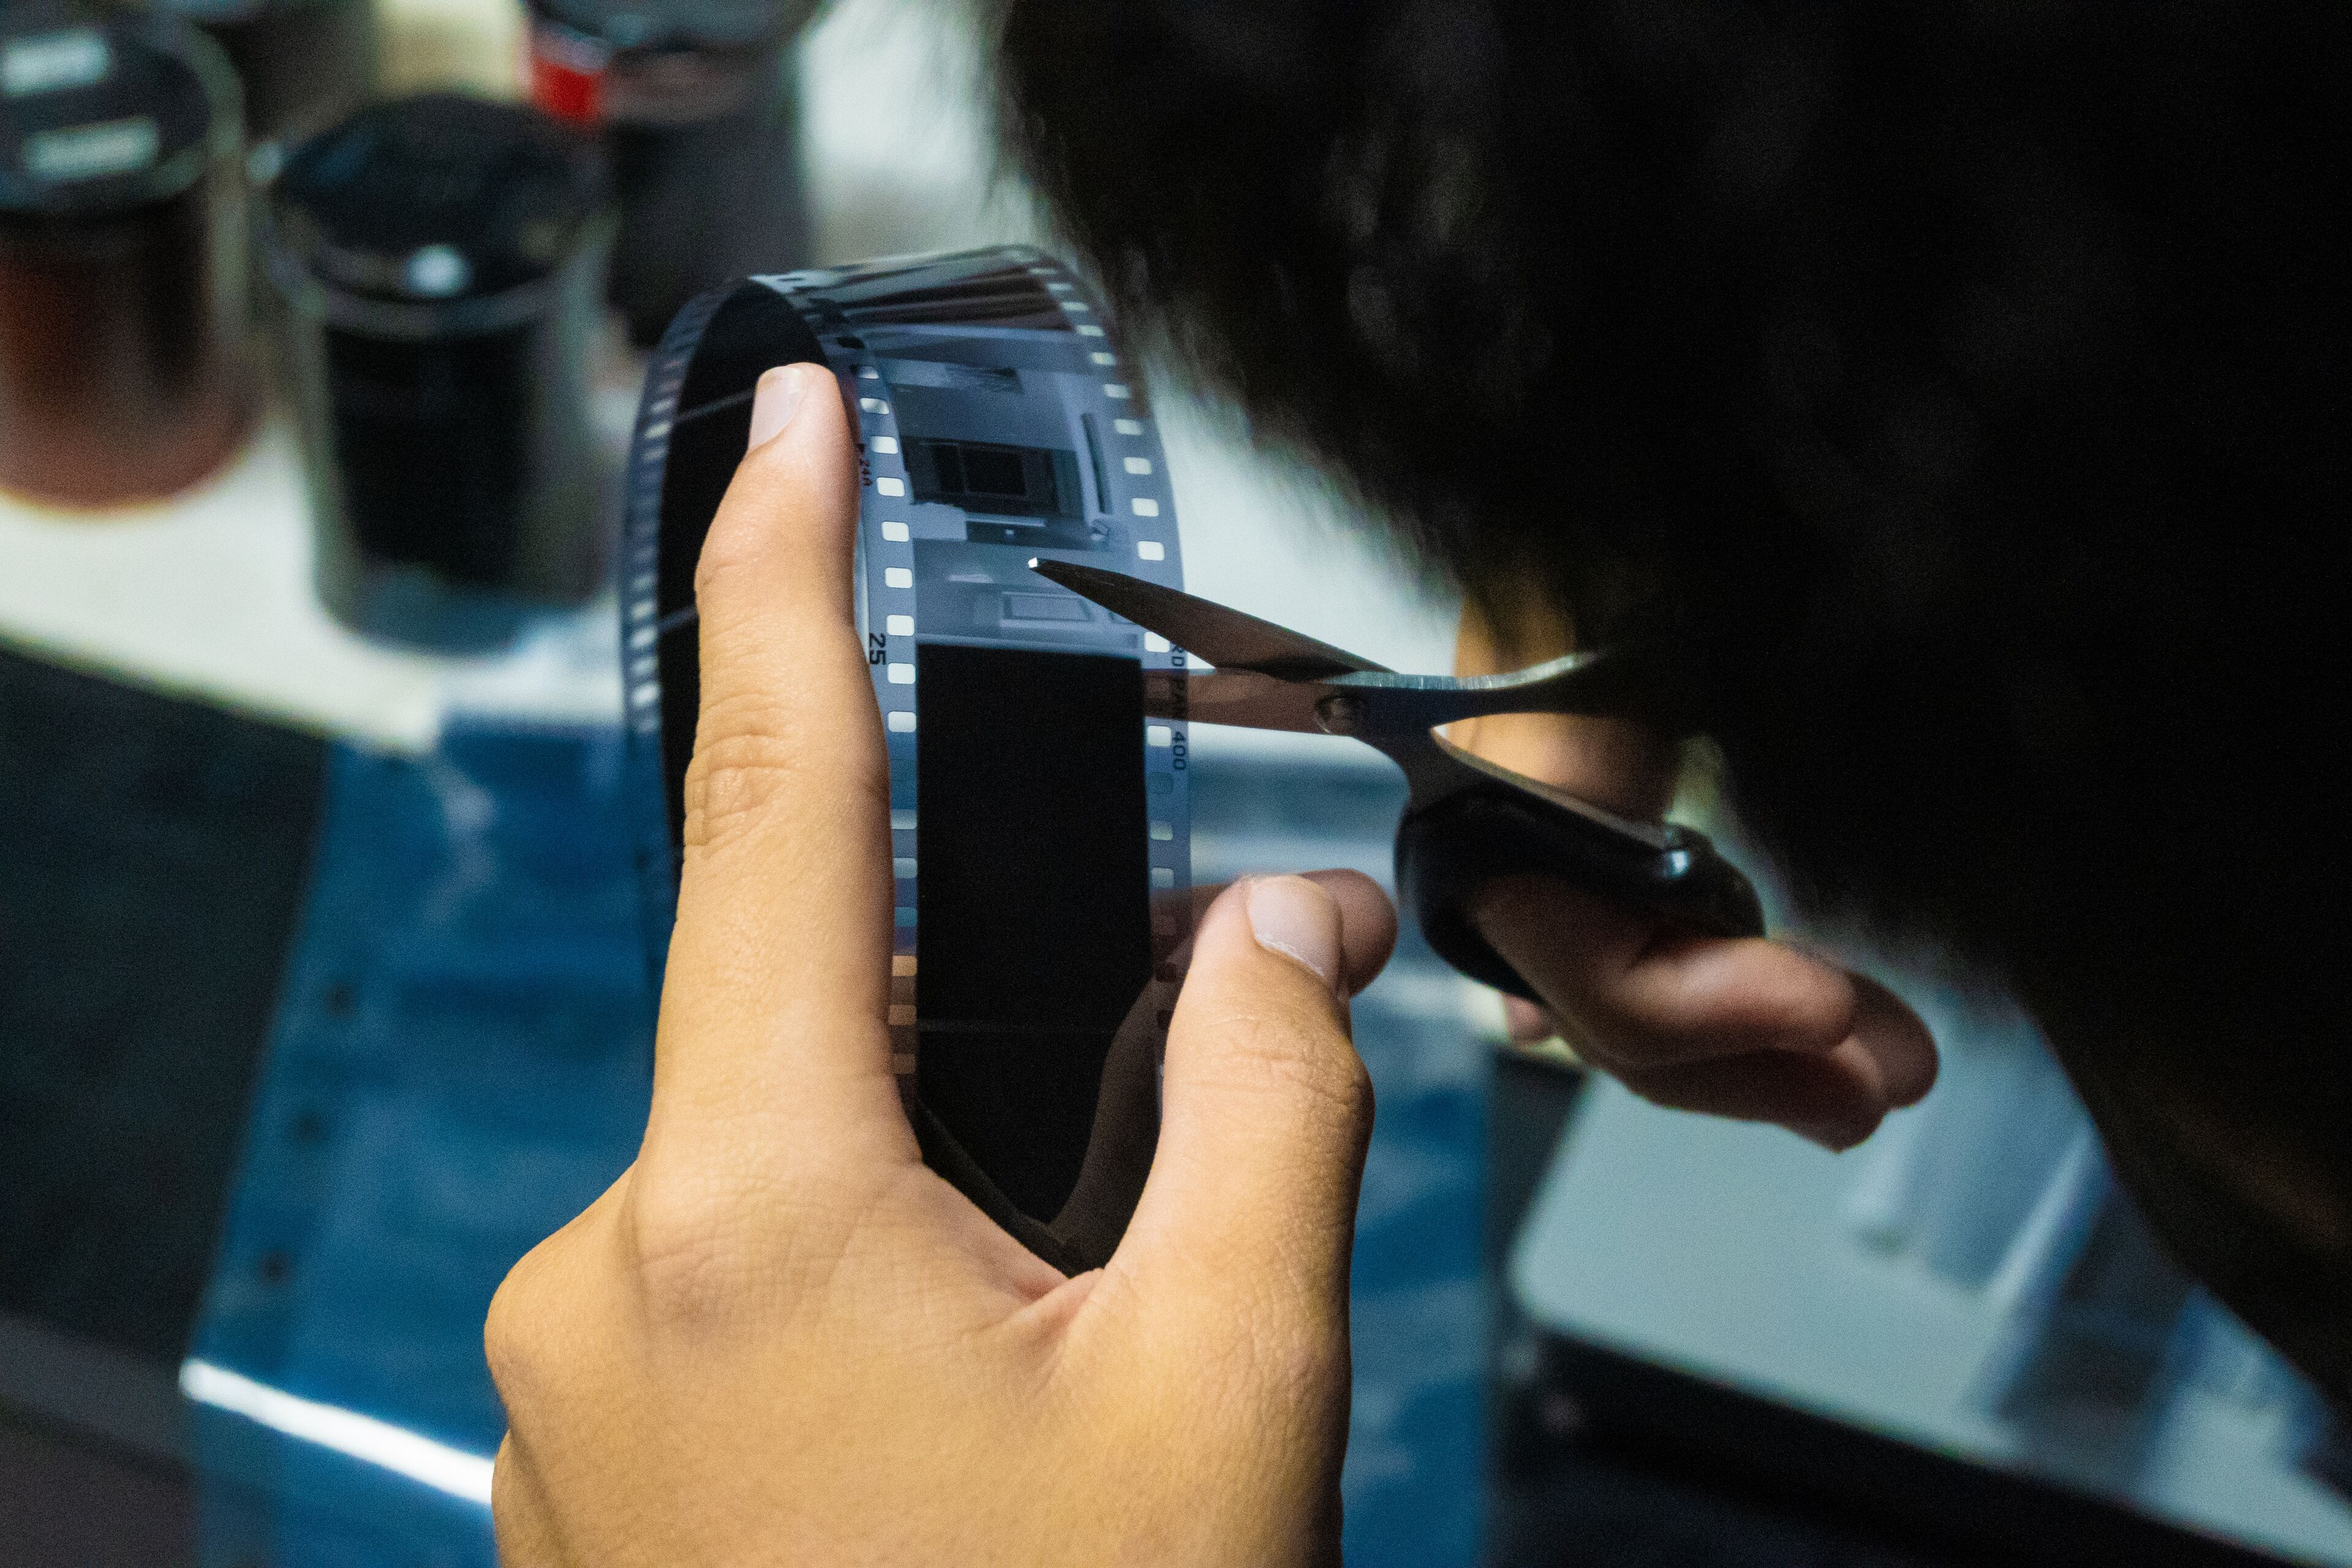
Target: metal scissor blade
(1227,638)
(1246,698)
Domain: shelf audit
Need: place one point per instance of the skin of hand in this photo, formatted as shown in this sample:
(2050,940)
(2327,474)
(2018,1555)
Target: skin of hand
(778,1338)
(1755,1029)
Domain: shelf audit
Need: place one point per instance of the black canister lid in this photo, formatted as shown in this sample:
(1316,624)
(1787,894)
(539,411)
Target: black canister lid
(679,25)
(439,200)
(233,13)
(101,116)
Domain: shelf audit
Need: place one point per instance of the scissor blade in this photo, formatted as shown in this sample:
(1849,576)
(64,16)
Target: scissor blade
(1227,638)
(1244,698)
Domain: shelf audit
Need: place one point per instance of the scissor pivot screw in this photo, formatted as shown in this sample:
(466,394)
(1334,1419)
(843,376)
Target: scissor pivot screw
(1340,714)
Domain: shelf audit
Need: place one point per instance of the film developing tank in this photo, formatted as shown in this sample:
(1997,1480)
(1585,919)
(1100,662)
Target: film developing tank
(699,108)
(122,258)
(444,259)
(304,64)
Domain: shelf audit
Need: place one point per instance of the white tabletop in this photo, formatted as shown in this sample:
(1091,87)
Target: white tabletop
(209,595)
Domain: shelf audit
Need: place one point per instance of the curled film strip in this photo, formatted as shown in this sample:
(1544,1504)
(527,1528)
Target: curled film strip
(1039,823)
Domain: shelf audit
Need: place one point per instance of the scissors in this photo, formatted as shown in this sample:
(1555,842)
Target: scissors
(1466,821)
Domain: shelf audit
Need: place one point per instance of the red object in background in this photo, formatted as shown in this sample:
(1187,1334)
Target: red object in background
(567,73)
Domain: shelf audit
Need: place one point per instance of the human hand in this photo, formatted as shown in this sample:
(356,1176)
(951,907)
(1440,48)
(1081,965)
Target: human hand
(1749,1028)
(778,1338)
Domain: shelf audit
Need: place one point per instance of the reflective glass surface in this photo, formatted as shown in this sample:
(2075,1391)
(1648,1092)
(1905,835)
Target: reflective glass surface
(460,1064)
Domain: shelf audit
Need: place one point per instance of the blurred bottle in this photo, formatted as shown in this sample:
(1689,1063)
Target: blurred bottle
(444,261)
(121,257)
(699,108)
(305,64)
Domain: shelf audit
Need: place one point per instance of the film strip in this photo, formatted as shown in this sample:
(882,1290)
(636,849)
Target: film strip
(997,423)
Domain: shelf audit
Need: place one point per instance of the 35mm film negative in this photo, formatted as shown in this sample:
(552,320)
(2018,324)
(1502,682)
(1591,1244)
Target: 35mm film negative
(1039,822)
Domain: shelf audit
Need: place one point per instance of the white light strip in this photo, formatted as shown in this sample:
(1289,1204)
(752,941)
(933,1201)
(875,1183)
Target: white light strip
(363,1438)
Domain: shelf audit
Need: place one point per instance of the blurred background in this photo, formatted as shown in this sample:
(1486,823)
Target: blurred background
(322,988)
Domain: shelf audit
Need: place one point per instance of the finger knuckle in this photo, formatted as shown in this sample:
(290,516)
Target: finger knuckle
(1768,1003)
(1820,1009)
(1312,1064)
(517,1332)
(736,544)
(747,752)
(686,1235)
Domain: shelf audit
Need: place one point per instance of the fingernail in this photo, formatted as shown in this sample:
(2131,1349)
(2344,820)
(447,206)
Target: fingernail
(775,402)
(1293,917)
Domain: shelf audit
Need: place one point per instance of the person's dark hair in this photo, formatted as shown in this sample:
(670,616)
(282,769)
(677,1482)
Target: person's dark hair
(1963,384)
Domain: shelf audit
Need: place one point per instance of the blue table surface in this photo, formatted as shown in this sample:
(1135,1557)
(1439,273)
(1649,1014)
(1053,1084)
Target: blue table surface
(459,1063)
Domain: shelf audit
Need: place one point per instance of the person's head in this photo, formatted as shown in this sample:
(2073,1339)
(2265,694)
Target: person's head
(1964,385)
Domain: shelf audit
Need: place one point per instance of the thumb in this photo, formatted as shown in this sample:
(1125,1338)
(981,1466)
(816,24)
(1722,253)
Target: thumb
(1265,1112)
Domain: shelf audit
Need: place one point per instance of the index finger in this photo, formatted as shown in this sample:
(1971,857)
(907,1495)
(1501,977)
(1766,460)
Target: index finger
(1642,995)
(774,1005)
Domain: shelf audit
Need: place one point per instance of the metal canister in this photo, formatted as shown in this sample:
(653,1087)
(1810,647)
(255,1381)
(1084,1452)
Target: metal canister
(122,258)
(305,64)
(443,258)
(699,105)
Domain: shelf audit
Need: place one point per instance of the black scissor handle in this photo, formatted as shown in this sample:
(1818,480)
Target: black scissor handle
(1447,851)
